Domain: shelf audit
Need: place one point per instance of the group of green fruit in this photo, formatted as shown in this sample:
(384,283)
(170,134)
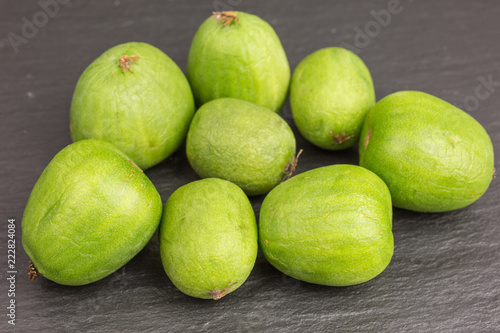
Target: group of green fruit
(93,208)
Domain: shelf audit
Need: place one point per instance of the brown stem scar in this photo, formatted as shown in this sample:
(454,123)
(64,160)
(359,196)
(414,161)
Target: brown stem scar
(340,138)
(32,272)
(218,294)
(135,165)
(226,17)
(125,62)
(290,167)
(494,173)
(368,137)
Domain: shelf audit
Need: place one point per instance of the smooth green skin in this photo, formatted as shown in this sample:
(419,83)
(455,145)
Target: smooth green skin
(91,211)
(208,237)
(244,61)
(242,142)
(331,92)
(330,226)
(145,113)
(433,156)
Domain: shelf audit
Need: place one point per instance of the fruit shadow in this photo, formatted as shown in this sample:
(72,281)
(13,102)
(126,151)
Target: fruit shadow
(172,173)
(434,246)
(266,282)
(413,224)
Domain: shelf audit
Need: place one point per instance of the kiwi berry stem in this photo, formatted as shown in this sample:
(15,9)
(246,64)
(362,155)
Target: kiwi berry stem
(32,272)
(217,294)
(340,138)
(226,18)
(290,167)
(125,62)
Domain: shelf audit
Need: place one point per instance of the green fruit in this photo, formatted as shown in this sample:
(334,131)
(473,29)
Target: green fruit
(242,142)
(235,54)
(90,212)
(208,238)
(330,94)
(433,156)
(331,226)
(135,97)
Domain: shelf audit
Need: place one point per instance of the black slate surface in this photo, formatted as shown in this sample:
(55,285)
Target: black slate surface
(445,273)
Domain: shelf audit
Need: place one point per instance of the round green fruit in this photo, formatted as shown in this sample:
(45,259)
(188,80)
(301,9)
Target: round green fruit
(330,226)
(135,97)
(208,238)
(242,142)
(433,156)
(90,212)
(235,54)
(330,94)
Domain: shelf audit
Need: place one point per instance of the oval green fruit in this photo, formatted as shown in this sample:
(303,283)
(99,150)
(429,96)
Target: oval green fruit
(135,97)
(235,54)
(330,226)
(242,142)
(433,156)
(330,94)
(208,238)
(90,212)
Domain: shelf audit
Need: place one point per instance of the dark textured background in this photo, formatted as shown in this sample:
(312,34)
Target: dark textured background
(445,273)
